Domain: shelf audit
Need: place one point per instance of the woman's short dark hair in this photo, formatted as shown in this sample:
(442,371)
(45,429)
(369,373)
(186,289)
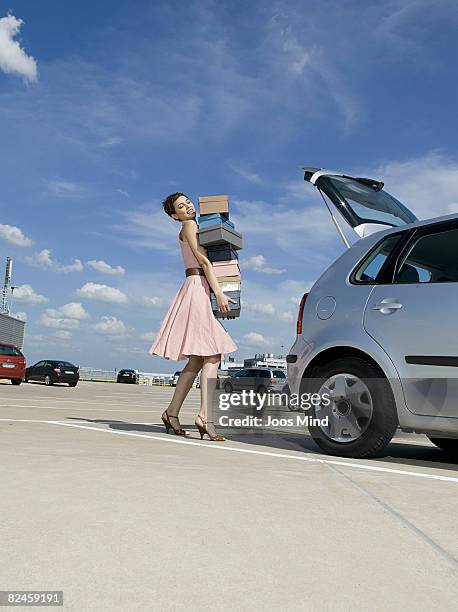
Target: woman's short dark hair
(169,201)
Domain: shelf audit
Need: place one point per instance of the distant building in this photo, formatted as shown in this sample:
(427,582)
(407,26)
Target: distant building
(265,360)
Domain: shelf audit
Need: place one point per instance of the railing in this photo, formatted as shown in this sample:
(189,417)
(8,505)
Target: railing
(144,378)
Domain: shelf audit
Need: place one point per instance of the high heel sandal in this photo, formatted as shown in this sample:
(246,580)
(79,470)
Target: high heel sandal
(203,430)
(168,425)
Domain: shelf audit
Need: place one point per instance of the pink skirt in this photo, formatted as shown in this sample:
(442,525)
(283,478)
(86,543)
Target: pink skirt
(190,327)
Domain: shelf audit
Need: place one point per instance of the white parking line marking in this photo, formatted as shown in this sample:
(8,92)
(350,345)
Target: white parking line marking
(309,459)
(372,468)
(70,408)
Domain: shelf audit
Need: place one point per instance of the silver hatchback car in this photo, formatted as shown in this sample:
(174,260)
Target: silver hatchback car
(377,333)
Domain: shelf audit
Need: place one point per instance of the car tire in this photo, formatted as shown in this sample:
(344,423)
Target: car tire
(16,381)
(72,384)
(228,387)
(48,381)
(377,421)
(448,445)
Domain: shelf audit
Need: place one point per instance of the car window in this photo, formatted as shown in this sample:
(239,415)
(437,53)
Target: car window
(372,265)
(65,364)
(39,364)
(262,373)
(9,351)
(279,374)
(433,258)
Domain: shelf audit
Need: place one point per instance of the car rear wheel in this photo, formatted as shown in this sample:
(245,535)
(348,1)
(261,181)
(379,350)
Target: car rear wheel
(48,380)
(358,411)
(228,387)
(261,390)
(16,381)
(448,445)
(73,384)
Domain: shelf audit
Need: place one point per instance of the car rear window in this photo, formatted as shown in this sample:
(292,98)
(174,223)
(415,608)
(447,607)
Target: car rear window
(65,364)
(10,351)
(431,259)
(279,374)
(372,265)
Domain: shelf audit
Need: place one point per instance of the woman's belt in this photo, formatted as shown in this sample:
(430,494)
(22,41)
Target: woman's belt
(192,271)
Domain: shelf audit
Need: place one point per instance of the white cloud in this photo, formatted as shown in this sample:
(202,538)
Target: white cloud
(74,310)
(102,293)
(65,189)
(112,141)
(51,318)
(14,235)
(67,316)
(255,339)
(110,326)
(104,268)
(13,58)
(259,263)
(268,309)
(245,173)
(63,334)
(151,301)
(287,316)
(148,336)
(427,185)
(26,293)
(20,315)
(44,261)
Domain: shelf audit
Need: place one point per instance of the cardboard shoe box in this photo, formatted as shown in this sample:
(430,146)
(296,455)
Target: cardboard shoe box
(226,268)
(229,286)
(234,307)
(216,234)
(213,204)
(216,220)
(221,252)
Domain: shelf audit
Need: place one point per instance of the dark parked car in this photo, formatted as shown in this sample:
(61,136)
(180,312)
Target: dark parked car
(261,380)
(54,371)
(12,363)
(127,376)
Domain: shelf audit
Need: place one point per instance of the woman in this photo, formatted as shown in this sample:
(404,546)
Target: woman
(190,329)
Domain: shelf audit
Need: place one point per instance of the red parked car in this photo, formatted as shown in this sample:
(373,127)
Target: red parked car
(12,363)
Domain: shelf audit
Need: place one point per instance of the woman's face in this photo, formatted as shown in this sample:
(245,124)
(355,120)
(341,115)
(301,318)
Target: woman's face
(184,209)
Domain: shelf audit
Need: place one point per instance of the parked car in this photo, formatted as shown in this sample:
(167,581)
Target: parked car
(261,380)
(377,332)
(53,371)
(127,376)
(175,378)
(12,363)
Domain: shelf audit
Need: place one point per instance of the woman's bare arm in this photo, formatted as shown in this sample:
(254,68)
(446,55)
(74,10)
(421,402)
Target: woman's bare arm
(189,232)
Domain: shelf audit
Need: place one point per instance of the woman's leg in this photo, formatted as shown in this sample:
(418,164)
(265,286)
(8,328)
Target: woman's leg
(208,378)
(184,384)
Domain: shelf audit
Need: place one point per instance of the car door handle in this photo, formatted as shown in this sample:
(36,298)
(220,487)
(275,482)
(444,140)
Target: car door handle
(387,306)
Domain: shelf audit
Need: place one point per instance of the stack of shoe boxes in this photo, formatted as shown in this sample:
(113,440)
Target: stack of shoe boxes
(218,235)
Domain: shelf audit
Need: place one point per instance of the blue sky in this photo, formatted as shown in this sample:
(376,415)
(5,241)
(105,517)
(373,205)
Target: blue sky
(106,108)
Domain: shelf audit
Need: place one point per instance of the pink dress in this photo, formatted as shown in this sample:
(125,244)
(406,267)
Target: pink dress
(190,327)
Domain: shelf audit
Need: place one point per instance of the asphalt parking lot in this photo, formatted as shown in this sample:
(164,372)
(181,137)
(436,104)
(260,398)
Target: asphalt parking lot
(99,502)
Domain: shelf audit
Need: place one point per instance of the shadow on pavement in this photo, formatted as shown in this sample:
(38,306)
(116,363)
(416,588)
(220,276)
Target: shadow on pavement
(398,453)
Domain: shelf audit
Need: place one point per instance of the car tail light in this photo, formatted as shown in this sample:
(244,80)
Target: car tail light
(273,381)
(56,370)
(300,314)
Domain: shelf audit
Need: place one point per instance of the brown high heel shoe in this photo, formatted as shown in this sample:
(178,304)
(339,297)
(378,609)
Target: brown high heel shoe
(168,425)
(203,430)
